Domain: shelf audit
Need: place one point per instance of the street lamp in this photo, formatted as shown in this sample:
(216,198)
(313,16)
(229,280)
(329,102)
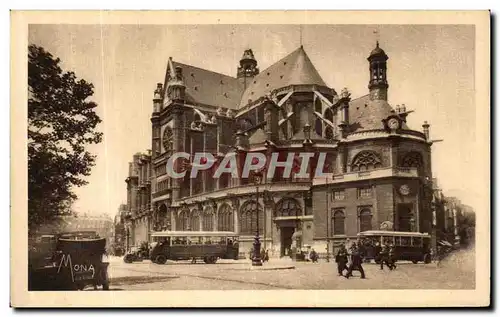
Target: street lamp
(256,259)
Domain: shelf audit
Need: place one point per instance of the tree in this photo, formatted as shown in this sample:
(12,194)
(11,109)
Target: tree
(61,123)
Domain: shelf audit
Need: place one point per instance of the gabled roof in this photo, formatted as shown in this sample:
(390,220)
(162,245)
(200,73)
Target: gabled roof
(294,69)
(366,114)
(210,88)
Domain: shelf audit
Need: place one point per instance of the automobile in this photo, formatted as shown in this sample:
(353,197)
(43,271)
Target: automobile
(75,264)
(137,254)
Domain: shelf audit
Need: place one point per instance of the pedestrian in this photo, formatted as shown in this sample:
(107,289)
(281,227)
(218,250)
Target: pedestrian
(392,257)
(341,260)
(384,257)
(267,256)
(313,256)
(356,262)
(377,251)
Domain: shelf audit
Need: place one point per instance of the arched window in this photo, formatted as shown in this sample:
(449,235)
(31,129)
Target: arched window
(225,221)
(163,218)
(168,139)
(366,160)
(328,115)
(412,159)
(195,221)
(329,133)
(248,218)
(365,219)
(318,127)
(288,207)
(338,222)
(208,220)
(182,221)
(318,105)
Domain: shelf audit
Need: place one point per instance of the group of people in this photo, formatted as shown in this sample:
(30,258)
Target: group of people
(352,259)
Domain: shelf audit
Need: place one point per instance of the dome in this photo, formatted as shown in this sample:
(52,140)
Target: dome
(377,51)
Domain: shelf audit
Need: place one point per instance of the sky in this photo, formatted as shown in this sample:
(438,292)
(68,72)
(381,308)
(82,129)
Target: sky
(430,70)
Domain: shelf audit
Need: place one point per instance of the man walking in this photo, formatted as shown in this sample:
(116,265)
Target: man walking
(341,260)
(384,257)
(356,262)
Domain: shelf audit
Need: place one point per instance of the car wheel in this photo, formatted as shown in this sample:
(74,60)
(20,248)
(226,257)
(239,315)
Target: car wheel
(161,259)
(427,259)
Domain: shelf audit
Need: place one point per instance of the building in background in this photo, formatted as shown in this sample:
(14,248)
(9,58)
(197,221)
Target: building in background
(120,234)
(138,215)
(102,223)
(378,168)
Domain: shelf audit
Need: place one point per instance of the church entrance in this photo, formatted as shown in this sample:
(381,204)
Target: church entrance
(286,240)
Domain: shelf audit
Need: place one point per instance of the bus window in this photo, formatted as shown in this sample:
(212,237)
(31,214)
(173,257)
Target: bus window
(417,241)
(388,240)
(222,240)
(208,240)
(397,241)
(177,241)
(405,241)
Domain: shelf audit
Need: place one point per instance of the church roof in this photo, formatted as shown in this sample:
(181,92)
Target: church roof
(294,69)
(210,88)
(366,114)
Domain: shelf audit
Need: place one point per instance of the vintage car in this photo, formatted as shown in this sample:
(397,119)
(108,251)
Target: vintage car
(137,254)
(74,264)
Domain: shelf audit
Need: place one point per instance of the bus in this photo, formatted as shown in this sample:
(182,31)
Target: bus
(191,245)
(410,246)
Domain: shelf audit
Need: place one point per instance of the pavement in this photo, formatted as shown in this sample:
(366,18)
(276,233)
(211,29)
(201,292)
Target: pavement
(456,272)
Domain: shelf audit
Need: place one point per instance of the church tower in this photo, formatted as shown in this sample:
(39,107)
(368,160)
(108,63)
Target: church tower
(378,74)
(248,68)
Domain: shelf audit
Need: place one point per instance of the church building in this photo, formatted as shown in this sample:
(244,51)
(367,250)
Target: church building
(378,169)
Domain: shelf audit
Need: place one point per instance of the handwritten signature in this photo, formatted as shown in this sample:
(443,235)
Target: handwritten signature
(75,269)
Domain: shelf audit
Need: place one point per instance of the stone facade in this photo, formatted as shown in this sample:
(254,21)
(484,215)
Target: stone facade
(138,207)
(377,170)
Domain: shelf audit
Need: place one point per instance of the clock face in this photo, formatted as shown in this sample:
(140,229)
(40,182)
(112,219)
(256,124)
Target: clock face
(393,123)
(404,190)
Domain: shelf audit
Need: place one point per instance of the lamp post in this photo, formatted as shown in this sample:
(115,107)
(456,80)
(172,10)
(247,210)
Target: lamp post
(256,259)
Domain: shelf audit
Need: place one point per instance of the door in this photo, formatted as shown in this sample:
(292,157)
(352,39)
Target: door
(405,217)
(286,240)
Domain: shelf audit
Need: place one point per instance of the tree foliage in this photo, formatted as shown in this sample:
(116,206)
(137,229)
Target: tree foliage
(61,123)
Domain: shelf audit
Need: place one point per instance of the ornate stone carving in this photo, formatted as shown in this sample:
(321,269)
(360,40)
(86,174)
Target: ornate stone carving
(345,93)
(230,113)
(220,111)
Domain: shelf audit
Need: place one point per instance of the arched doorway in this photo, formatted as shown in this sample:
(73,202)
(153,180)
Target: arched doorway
(285,210)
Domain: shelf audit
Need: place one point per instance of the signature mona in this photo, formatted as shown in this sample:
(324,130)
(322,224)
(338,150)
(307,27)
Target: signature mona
(75,269)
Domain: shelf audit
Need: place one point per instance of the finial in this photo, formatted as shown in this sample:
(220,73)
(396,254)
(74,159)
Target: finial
(377,44)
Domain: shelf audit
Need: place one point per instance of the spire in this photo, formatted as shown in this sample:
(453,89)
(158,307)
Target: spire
(248,65)
(378,84)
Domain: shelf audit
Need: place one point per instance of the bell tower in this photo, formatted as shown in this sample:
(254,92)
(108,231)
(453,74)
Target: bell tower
(378,84)
(248,67)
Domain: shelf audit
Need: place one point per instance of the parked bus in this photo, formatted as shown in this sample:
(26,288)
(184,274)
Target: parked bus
(192,245)
(410,246)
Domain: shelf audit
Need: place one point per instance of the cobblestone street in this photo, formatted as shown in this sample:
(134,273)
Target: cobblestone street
(457,272)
